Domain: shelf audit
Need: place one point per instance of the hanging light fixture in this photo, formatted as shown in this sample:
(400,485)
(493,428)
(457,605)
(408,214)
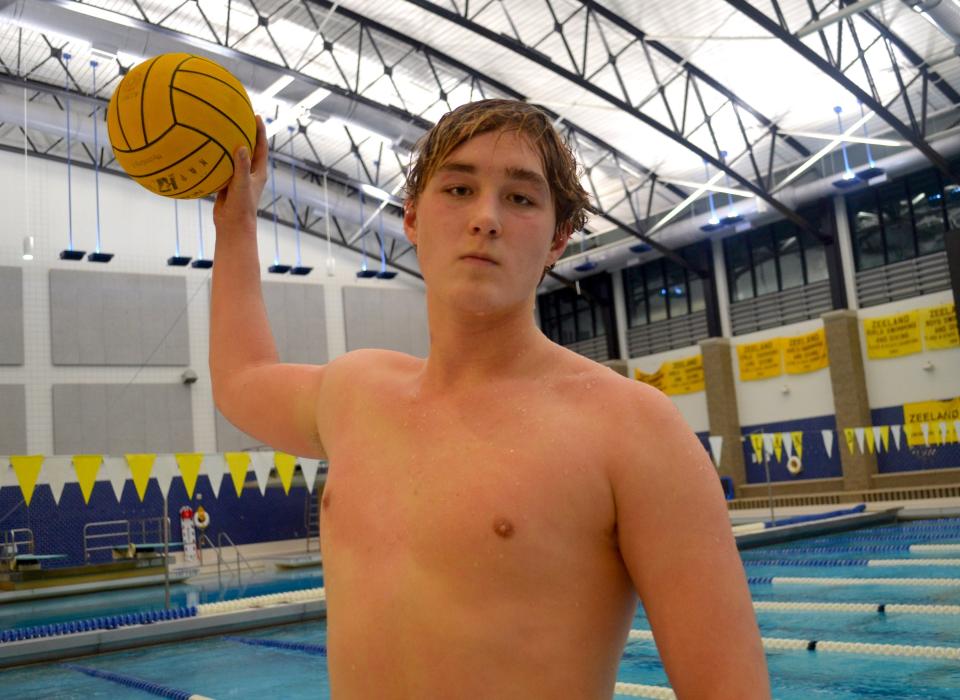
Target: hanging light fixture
(277,268)
(714,222)
(871,171)
(732,216)
(849,178)
(363,272)
(176,259)
(201,262)
(70,253)
(331,261)
(587,263)
(28,244)
(384,273)
(299,268)
(97,255)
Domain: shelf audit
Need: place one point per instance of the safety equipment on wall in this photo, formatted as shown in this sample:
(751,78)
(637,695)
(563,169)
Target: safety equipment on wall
(794,465)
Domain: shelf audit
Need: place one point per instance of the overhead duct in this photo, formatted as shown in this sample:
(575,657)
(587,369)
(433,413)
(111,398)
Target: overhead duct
(618,255)
(52,120)
(112,33)
(943,14)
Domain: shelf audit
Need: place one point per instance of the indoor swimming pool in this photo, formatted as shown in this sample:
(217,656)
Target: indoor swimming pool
(803,590)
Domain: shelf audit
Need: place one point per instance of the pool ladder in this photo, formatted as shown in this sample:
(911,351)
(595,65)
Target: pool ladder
(311,518)
(222,562)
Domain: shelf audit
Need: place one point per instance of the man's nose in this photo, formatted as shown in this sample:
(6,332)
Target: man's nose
(486,218)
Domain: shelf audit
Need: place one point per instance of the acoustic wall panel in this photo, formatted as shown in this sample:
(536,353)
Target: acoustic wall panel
(13,419)
(11,316)
(390,319)
(114,318)
(119,418)
(298,321)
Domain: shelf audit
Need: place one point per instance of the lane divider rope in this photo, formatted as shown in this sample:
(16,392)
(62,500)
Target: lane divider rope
(775,643)
(315,649)
(881,608)
(262,601)
(150,687)
(830,581)
(853,549)
(852,562)
(644,691)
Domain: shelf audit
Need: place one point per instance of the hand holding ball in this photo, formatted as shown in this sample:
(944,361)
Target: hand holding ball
(175,122)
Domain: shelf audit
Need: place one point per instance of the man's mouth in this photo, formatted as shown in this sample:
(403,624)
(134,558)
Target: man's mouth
(479,259)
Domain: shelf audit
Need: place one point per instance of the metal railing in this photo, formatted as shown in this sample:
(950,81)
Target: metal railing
(221,559)
(13,539)
(108,535)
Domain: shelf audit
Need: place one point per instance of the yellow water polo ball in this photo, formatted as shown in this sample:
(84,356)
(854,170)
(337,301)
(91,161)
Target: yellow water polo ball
(175,122)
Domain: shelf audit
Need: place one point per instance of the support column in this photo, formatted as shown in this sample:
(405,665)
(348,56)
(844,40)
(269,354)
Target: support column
(845,245)
(952,241)
(722,288)
(722,411)
(850,401)
(620,313)
(827,221)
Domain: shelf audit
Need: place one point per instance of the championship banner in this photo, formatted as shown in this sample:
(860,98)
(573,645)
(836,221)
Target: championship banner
(892,336)
(917,416)
(683,376)
(655,380)
(760,360)
(940,327)
(805,353)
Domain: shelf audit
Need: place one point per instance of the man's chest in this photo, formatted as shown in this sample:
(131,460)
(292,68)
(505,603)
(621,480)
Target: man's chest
(448,488)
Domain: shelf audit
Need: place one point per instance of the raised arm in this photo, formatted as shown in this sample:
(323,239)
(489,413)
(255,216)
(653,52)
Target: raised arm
(676,540)
(275,403)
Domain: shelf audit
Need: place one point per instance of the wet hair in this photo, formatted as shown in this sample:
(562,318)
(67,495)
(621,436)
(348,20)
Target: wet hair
(571,202)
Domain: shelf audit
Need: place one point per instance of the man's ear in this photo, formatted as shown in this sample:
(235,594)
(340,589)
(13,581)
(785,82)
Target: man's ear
(560,239)
(410,220)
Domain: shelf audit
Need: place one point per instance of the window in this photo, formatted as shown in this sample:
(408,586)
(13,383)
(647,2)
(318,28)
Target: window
(567,317)
(662,289)
(902,219)
(773,258)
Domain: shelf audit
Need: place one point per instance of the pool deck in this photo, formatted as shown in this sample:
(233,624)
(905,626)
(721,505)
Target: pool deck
(909,510)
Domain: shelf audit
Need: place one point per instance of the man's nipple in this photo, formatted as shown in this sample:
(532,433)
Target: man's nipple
(503,528)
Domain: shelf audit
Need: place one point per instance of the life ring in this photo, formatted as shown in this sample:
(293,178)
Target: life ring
(794,465)
(201,518)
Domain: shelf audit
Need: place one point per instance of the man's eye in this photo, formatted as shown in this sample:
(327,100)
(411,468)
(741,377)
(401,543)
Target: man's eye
(458,190)
(521,199)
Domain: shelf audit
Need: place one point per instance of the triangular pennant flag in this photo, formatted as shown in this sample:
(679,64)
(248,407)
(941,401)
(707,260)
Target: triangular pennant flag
(868,434)
(778,445)
(239,463)
(141,466)
(164,469)
(884,438)
(262,464)
(189,465)
(768,444)
(827,436)
(716,448)
(214,466)
(27,469)
(116,471)
(877,434)
(848,434)
(796,438)
(943,433)
(56,473)
(87,467)
(309,468)
(925,428)
(956,433)
(858,432)
(787,445)
(896,435)
(4,468)
(756,440)
(285,465)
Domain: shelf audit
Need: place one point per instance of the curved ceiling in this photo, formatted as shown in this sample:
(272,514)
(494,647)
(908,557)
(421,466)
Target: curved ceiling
(664,101)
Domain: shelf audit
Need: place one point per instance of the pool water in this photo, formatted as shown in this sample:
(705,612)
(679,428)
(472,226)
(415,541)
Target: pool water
(223,667)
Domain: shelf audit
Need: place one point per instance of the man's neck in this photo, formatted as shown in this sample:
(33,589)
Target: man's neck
(471,349)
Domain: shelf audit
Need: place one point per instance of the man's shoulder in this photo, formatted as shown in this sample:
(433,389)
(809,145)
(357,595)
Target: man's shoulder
(371,365)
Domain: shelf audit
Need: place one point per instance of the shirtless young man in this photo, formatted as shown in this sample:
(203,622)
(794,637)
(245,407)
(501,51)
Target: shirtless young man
(492,512)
